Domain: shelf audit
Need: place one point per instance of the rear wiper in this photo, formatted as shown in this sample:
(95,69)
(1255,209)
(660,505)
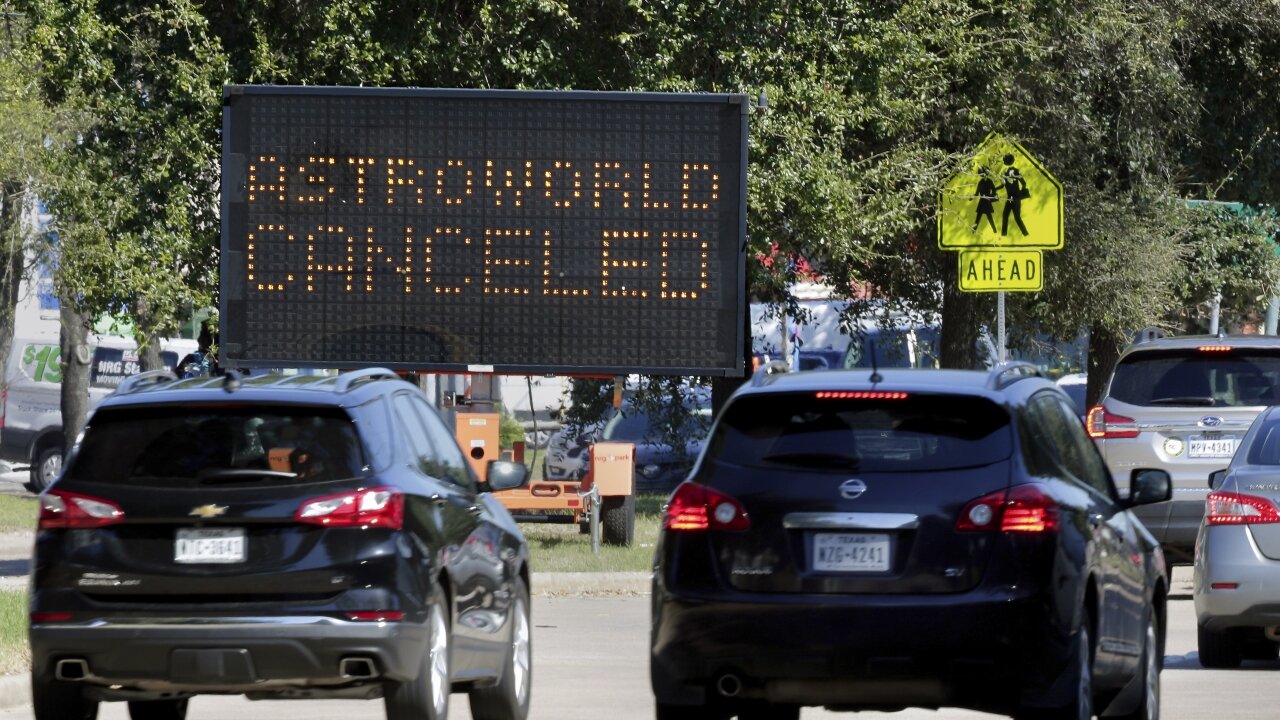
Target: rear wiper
(233,474)
(815,459)
(1203,401)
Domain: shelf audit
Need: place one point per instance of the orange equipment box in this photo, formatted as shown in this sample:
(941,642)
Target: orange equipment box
(477,434)
(612,468)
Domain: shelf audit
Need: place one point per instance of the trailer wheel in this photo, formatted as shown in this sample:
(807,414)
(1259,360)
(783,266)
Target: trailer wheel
(618,519)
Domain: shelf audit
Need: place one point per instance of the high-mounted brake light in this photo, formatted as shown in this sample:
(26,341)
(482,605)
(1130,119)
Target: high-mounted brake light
(1020,509)
(374,507)
(860,395)
(62,509)
(1214,348)
(1101,423)
(695,507)
(1228,508)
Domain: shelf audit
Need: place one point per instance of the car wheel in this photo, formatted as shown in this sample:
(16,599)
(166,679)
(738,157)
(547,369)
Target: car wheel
(1081,706)
(158,709)
(46,468)
(426,697)
(618,520)
(1218,648)
(1149,708)
(53,700)
(509,699)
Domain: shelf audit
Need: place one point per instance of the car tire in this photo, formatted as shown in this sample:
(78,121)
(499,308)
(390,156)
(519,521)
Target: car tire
(46,468)
(1219,649)
(426,697)
(509,699)
(54,700)
(158,709)
(1081,705)
(618,520)
(1149,707)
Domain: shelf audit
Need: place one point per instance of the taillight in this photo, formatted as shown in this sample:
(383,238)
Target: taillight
(374,507)
(696,507)
(1101,424)
(1020,509)
(61,509)
(375,615)
(1228,508)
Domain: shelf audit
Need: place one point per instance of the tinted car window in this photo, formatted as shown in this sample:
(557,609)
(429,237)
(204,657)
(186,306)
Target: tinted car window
(452,465)
(191,445)
(1073,449)
(1265,449)
(917,433)
(632,425)
(1239,378)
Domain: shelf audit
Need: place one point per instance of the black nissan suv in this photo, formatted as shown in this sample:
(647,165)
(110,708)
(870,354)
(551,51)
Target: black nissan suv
(872,541)
(277,537)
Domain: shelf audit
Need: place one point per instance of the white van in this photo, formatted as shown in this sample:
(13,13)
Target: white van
(31,399)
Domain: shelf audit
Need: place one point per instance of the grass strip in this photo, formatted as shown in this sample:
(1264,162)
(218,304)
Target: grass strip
(18,513)
(15,653)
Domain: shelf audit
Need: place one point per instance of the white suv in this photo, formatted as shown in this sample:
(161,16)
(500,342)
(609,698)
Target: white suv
(1183,404)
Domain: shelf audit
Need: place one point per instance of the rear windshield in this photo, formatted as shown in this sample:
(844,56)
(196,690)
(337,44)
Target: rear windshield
(1193,378)
(919,432)
(218,445)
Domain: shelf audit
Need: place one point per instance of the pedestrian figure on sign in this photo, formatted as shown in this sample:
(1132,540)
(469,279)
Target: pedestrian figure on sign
(986,193)
(1015,190)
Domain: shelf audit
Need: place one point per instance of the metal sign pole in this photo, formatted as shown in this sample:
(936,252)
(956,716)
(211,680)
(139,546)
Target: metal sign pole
(1001,354)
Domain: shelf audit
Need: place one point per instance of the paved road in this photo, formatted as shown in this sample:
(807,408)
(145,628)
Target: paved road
(590,663)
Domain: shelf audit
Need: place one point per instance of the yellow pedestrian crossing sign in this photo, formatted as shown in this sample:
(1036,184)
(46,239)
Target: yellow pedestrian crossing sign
(1004,199)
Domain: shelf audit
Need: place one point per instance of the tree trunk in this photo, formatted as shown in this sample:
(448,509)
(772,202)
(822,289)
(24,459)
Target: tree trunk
(12,264)
(149,353)
(75,373)
(1104,351)
(959,339)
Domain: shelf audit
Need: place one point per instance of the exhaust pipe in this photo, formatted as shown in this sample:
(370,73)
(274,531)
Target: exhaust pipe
(71,669)
(1273,633)
(729,685)
(357,668)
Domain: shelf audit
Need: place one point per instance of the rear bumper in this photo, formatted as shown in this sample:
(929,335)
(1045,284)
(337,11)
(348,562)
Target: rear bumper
(233,655)
(1228,554)
(974,650)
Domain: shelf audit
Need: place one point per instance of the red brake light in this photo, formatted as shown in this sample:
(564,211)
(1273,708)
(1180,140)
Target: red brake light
(1099,423)
(61,509)
(375,615)
(860,395)
(380,507)
(696,507)
(1228,508)
(1020,509)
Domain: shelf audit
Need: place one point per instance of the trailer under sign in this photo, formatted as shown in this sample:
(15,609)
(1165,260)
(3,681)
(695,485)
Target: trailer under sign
(501,231)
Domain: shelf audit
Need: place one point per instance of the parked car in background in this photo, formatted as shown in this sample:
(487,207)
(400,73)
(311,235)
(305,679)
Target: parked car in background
(1237,559)
(277,537)
(31,409)
(1183,404)
(908,538)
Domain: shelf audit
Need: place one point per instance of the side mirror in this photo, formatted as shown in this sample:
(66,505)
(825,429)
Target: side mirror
(1149,486)
(1216,477)
(504,475)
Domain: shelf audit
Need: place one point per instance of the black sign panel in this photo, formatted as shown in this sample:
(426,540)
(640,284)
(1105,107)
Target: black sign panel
(497,231)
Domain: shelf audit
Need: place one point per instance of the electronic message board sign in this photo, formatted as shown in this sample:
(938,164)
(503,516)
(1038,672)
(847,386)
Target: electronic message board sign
(485,231)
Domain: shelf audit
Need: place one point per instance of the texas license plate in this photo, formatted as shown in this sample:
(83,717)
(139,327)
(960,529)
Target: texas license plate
(209,545)
(1219,447)
(851,552)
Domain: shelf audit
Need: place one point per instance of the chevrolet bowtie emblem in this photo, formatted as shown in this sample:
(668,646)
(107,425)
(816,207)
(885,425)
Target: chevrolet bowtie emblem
(208,511)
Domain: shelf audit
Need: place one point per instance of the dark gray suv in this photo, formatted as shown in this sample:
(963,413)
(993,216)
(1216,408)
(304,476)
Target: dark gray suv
(277,537)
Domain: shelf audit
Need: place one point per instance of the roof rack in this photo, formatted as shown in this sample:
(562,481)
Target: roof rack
(1147,334)
(349,380)
(769,369)
(1008,373)
(134,383)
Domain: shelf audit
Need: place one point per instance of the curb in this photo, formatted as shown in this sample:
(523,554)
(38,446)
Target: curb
(15,690)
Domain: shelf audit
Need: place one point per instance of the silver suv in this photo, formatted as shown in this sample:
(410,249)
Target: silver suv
(1183,404)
